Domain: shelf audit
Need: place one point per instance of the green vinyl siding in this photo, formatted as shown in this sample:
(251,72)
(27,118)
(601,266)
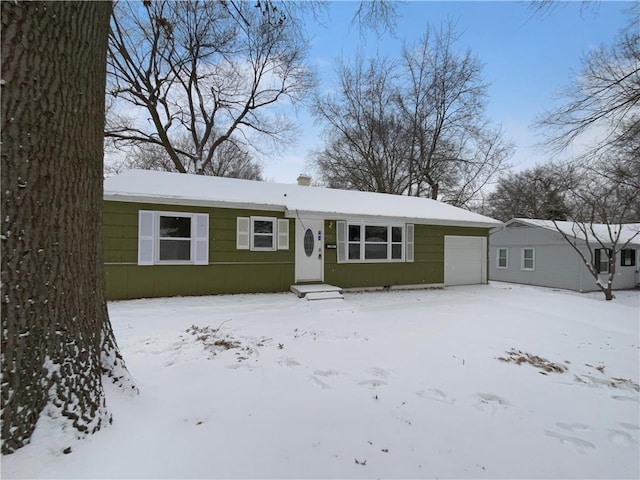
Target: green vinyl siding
(229,270)
(427,269)
(243,271)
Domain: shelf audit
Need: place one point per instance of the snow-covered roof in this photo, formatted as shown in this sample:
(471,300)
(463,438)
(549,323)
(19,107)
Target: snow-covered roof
(149,186)
(605,233)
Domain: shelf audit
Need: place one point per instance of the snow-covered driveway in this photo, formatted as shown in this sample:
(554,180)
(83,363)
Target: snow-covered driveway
(498,381)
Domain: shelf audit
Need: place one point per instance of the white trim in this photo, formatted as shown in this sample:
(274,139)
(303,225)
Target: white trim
(274,234)
(243,233)
(157,238)
(149,238)
(200,239)
(146,233)
(341,241)
(506,258)
(283,234)
(363,243)
(410,242)
(522,258)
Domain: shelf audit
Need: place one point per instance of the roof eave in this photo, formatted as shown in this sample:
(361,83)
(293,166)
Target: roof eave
(165,200)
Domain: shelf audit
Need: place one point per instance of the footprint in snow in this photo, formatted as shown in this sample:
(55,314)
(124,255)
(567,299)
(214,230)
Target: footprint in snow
(575,441)
(437,395)
(571,427)
(629,426)
(288,362)
(320,383)
(372,383)
(625,398)
(379,372)
(491,400)
(620,438)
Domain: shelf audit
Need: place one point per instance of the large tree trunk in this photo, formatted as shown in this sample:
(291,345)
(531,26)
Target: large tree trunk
(56,336)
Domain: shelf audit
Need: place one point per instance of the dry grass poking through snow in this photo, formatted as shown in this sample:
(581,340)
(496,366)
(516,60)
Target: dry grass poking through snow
(518,357)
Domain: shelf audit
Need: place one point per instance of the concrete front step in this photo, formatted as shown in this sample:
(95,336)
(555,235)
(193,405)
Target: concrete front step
(320,291)
(324,296)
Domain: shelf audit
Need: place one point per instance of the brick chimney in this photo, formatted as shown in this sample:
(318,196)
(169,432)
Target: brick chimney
(304,180)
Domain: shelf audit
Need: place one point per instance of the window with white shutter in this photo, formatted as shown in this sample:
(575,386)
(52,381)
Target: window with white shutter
(243,232)
(283,234)
(173,238)
(146,240)
(409,243)
(201,240)
(341,237)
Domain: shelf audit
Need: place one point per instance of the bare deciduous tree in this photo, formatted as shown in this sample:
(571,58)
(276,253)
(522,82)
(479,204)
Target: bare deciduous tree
(601,209)
(540,192)
(365,149)
(209,72)
(229,160)
(57,342)
(602,102)
(416,128)
(454,150)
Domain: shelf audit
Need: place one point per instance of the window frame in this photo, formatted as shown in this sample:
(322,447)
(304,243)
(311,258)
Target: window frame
(524,258)
(158,239)
(628,254)
(601,259)
(506,258)
(273,235)
(149,238)
(362,242)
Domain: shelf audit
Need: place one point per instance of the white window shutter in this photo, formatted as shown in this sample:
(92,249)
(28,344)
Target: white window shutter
(243,233)
(409,242)
(341,236)
(146,242)
(283,234)
(200,240)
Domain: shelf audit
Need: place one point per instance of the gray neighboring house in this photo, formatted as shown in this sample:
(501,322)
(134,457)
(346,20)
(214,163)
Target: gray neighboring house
(533,252)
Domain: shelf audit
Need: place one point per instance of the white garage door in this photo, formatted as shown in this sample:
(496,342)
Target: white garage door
(465,260)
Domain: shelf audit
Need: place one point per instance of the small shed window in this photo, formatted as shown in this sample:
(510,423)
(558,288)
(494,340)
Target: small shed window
(528,259)
(627,257)
(503,258)
(602,259)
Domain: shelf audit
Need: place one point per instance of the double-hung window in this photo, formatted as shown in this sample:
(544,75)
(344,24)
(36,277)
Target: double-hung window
(262,234)
(528,259)
(173,238)
(602,260)
(374,243)
(628,257)
(503,258)
(263,231)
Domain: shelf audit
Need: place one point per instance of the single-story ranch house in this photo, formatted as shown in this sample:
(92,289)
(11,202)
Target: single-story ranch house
(533,252)
(171,234)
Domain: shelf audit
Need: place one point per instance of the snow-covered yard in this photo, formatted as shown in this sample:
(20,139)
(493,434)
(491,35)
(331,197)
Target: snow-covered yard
(415,384)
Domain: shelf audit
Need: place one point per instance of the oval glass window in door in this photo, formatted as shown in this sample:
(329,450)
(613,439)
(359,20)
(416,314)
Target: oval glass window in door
(308,242)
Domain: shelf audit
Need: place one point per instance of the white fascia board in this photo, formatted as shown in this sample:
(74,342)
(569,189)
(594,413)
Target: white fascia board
(164,200)
(380,219)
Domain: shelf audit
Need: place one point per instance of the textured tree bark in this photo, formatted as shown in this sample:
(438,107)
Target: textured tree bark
(57,341)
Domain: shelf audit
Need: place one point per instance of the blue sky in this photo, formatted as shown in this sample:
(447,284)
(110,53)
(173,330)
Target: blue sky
(527,59)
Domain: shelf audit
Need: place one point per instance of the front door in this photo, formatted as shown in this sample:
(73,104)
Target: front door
(309,253)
